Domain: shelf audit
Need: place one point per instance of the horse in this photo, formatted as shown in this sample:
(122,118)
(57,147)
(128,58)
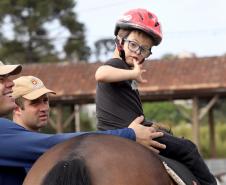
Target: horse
(98,159)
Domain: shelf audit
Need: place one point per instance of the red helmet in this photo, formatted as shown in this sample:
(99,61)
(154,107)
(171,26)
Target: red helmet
(143,20)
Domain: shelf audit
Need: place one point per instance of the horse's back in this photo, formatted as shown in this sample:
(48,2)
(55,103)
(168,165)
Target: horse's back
(109,160)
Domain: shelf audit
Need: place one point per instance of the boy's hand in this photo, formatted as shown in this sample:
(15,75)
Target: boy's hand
(145,135)
(137,68)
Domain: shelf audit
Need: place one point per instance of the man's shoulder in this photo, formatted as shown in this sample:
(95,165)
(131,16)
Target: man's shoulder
(4,121)
(8,124)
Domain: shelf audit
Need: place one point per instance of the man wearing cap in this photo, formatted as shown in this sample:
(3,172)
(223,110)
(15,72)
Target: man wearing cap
(8,174)
(31,97)
(6,101)
(21,147)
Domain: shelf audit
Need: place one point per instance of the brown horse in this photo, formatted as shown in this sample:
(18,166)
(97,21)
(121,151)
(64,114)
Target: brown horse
(97,159)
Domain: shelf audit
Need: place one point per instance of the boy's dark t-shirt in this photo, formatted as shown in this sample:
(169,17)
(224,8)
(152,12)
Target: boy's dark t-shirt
(117,103)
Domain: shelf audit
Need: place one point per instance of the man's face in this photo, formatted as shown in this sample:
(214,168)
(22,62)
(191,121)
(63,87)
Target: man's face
(7,103)
(35,113)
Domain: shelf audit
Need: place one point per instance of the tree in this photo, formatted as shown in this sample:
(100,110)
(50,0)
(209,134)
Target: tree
(165,112)
(30,22)
(104,47)
(168,56)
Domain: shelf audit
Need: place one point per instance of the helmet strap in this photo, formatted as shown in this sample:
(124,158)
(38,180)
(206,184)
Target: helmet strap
(119,46)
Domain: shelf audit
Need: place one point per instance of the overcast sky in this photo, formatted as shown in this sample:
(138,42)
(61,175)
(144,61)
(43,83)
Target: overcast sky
(197,26)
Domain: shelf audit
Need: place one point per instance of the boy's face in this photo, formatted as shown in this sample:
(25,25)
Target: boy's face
(137,46)
(7,103)
(35,113)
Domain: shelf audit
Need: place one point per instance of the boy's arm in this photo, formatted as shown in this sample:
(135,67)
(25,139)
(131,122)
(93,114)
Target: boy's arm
(110,74)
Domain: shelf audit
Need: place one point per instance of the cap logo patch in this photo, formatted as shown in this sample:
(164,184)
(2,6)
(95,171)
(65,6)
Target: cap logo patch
(36,84)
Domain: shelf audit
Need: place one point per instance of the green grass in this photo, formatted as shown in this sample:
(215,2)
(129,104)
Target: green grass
(185,130)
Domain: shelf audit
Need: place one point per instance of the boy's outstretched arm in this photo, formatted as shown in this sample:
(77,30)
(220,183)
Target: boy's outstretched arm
(110,74)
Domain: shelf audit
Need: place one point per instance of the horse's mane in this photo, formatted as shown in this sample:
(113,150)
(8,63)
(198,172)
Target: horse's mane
(72,170)
(68,172)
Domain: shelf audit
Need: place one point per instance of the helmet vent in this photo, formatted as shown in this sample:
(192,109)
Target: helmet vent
(141,17)
(150,16)
(156,24)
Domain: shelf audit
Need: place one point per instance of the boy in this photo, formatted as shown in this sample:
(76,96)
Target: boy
(117,99)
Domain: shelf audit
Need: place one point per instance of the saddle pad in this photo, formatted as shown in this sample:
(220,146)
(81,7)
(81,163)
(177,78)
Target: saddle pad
(173,175)
(178,172)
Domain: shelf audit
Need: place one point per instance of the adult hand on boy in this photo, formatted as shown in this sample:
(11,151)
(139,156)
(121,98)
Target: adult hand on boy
(145,135)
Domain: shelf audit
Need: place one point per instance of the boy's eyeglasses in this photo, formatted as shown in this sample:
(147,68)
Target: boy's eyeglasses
(134,47)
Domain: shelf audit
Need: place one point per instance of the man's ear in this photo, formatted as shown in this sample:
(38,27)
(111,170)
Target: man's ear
(17,110)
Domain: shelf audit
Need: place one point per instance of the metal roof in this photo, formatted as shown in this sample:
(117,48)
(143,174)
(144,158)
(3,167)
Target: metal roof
(167,79)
